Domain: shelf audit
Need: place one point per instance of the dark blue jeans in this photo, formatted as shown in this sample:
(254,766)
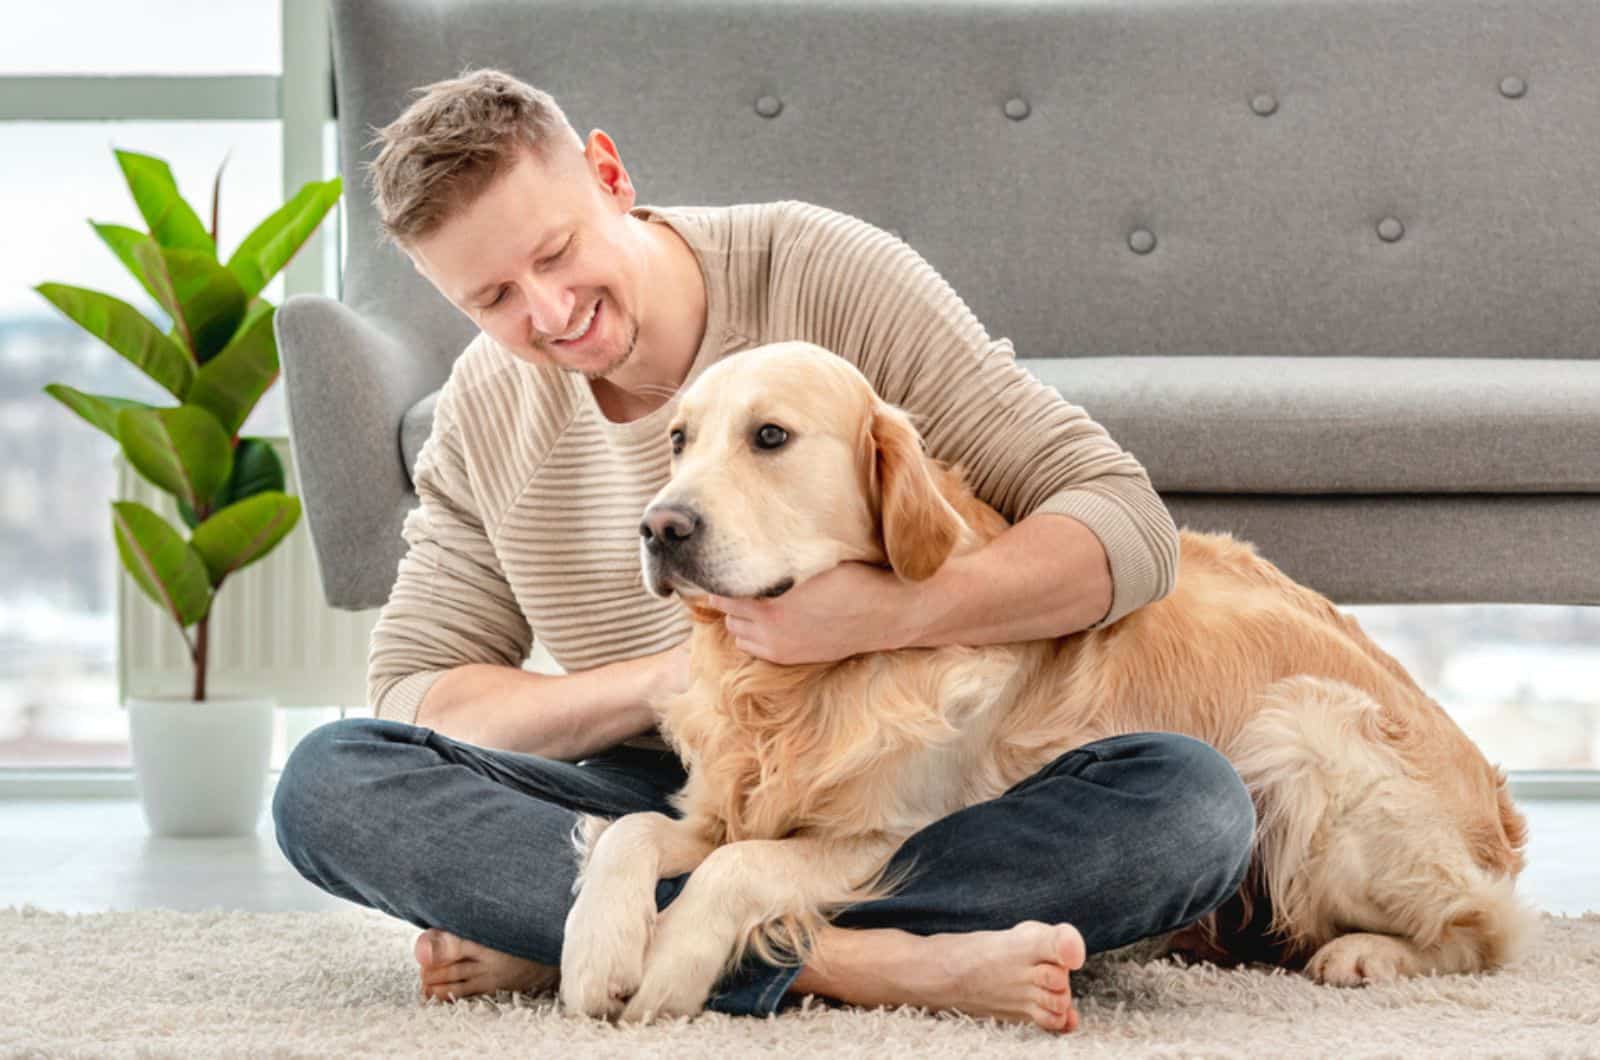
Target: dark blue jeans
(1124,838)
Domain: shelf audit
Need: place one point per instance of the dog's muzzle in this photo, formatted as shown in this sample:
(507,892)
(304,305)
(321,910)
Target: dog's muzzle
(669,531)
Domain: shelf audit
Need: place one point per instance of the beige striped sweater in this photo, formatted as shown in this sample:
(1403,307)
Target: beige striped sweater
(531,498)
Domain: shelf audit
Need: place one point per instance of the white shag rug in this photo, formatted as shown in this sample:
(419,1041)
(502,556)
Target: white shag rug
(160,983)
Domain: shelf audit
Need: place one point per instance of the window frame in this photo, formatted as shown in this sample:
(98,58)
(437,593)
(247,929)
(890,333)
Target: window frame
(301,99)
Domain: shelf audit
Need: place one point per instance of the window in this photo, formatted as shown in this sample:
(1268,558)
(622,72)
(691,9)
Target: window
(203,79)
(150,37)
(1522,681)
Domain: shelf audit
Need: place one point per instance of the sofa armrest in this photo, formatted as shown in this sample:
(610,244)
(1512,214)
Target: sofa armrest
(348,384)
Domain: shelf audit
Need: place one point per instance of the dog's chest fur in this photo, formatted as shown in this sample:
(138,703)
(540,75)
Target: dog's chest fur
(885,743)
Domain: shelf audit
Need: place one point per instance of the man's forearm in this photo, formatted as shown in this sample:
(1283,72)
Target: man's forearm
(1047,576)
(565,717)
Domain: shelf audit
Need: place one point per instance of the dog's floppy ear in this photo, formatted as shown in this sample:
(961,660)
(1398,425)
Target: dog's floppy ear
(920,529)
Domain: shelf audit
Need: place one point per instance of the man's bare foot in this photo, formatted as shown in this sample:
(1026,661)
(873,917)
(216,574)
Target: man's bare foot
(454,968)
(1017,975)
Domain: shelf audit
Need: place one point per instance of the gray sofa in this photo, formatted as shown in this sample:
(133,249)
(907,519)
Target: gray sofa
(1329,268)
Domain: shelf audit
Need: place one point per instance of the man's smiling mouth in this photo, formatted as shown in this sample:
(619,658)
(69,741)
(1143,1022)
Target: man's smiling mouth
(583,331)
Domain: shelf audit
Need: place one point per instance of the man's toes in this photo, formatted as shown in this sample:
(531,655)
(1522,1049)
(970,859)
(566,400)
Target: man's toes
(444,974)
(1051,977)
(1053,1021)
(447,990)
(438,947)
(1050,1001)
(1069,944)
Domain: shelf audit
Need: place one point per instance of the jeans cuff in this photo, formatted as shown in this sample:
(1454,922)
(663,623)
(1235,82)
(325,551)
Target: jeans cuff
(755,988)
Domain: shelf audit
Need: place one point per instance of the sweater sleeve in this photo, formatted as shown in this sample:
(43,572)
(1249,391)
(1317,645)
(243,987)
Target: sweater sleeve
(451,603)
(854,288)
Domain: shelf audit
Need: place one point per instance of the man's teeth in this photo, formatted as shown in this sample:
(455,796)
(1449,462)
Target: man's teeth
(581,332)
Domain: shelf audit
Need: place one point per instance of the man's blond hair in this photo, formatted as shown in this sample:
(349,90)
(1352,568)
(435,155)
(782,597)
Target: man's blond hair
(449,144)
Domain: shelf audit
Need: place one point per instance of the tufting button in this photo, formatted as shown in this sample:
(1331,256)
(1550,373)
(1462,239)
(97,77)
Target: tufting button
(1142,240)
(1390,229)
(769,106)
(1017,108)
(1513,87)
(1264,104)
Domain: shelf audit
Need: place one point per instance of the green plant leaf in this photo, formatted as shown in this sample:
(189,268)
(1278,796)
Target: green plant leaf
(204,299)
(161,562)
(183,450)
(126,330)
(256,469)
(98,409)
(240,534)
(274,241)
(158,281)
(172,220)
(233,381)
(122,239)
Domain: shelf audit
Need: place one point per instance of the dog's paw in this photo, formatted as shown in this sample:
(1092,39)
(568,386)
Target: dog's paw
(659,997)
(602,956)
(1360,959)
(681,968)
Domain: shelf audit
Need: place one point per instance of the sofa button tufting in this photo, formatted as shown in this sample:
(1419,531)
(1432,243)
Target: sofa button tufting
(1017,108)
(1390,229)
(1264,104)
(1142,240)
(769,106)
(1513,87)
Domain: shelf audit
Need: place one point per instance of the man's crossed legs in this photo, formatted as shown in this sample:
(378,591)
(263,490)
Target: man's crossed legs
(1114,841)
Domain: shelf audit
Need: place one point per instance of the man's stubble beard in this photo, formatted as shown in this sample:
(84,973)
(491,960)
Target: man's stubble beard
(633,340)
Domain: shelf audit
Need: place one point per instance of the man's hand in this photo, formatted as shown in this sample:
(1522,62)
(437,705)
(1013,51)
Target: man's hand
(853,608)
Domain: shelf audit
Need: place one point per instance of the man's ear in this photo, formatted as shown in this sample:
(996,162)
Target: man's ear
(919,527)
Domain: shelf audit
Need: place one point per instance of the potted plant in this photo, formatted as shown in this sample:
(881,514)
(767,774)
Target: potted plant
(201,762)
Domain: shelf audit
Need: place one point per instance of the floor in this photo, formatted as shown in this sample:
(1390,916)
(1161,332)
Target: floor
(91,855)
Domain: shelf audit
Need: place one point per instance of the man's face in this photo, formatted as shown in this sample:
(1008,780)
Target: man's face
(544,261)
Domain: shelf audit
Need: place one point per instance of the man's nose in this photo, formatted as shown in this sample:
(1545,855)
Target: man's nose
(667,526)
(549,306)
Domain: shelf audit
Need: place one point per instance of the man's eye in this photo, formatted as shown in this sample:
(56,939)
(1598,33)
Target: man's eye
(770,436)
(676,437)
(499,297)
(564,248)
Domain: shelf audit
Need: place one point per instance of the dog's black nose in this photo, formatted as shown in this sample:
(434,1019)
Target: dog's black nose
(666,527)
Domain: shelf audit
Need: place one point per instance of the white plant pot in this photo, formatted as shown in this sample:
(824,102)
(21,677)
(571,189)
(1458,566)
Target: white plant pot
(201,768)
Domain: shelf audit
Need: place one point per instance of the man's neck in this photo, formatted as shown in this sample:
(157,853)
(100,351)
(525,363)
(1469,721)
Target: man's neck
(663,357)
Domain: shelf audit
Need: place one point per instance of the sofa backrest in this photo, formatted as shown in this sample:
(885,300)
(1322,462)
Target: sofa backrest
(1094,177)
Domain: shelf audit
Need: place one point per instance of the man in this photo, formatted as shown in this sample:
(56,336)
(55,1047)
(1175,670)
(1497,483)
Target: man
(452,809)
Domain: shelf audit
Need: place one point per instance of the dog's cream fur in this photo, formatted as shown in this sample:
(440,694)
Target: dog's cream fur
(1386,845)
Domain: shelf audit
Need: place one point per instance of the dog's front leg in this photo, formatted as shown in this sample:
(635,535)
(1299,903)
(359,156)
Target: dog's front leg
(608,927)
(736,890)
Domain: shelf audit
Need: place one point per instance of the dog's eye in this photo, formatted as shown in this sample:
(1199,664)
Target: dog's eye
(770,436)
(676,437)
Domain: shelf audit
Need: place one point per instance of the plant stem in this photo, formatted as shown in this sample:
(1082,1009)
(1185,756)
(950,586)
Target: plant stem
(200,659)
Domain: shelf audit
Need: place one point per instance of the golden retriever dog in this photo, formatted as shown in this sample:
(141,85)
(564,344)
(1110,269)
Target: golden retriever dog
(1386,844)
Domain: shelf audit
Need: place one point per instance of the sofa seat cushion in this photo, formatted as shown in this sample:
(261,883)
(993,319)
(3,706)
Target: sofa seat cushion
(1323,425)
(1320,425)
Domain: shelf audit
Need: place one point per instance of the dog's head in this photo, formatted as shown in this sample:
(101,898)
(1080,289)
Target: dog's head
(785,463)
